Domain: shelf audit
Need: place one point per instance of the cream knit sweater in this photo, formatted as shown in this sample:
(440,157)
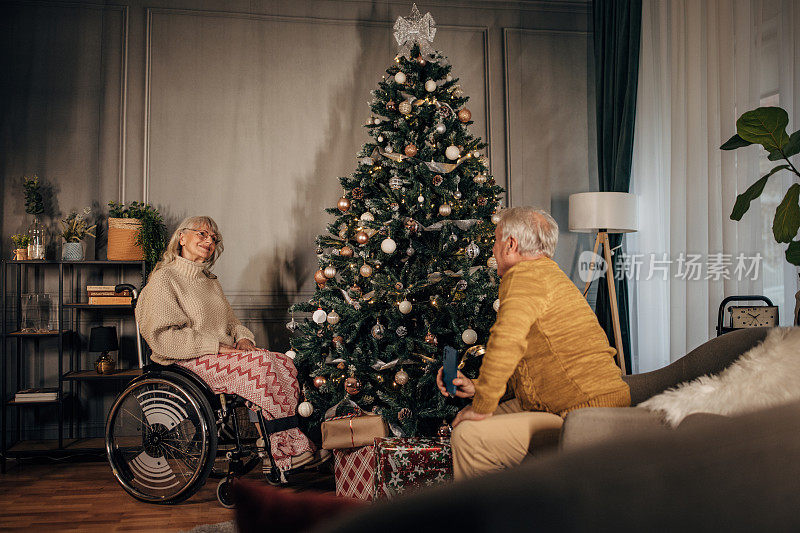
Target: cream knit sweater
(182,313)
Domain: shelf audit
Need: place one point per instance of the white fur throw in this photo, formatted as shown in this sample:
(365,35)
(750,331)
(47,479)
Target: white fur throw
(766,376)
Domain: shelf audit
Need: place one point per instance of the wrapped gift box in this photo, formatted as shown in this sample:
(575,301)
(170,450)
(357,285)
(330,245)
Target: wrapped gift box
(407,464)
(354,471)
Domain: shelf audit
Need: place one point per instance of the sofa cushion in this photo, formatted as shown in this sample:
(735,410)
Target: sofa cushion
(765,376)
(592,425)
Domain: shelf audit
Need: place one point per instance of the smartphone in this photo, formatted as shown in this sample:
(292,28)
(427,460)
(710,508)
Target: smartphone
(449,372)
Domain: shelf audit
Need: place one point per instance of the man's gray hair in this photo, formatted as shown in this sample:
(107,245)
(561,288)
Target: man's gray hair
(534,229)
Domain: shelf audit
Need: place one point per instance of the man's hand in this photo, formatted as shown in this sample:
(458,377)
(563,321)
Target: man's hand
(468,414)
(245,345)
(226,348)
(464,386)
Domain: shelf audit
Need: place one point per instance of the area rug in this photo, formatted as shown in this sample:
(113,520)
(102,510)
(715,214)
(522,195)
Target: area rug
(222,527)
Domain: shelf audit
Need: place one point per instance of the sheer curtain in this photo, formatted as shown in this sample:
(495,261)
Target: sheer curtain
(702,65)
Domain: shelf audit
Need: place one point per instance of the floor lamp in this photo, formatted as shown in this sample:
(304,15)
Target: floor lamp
(604,213)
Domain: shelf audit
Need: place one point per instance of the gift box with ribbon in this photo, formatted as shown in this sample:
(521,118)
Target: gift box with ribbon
(407,464)
(354,472)
(352,431)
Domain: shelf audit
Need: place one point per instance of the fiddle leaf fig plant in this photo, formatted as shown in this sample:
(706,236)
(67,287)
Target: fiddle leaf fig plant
(767,126)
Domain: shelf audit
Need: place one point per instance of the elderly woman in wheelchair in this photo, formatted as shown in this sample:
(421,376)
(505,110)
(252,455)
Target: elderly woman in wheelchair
(162,432)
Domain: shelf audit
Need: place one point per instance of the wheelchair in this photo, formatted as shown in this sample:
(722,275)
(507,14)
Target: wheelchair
(165,431)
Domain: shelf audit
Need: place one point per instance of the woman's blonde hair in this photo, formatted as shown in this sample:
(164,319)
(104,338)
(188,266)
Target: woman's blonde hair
(173,249)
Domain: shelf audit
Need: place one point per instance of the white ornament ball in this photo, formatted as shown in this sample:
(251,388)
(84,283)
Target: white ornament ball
(291,354)
(333,318)
(330,271)
(496,305)
(388,246)
(469,336)
(452,152)
(421,199)
(376,121)
(445,210)
(475,153)
(367,217)
(441,128)
(492,263)
(365,270)
(395,183)
(495,218)
(380,138)
(448,78)
(305,409)
(400,77)
(404,307)
(388,149)
(430,86)
(319,316)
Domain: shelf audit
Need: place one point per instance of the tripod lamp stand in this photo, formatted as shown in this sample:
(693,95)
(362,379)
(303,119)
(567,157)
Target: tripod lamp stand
(604,213)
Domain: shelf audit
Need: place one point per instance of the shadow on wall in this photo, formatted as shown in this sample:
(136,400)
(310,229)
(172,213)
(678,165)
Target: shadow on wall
(288,272)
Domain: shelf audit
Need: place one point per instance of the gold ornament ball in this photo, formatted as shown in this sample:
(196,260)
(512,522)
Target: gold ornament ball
(464,115)
(492,263)
(365,270)
(445,210)
(330,271)
(346,252)
(352,386)
(480,179)
(343,204)
(333,318)
(320,381)
(410,150)
(404,307)
(401,377)
(319,277)
(404,107)
(362,237)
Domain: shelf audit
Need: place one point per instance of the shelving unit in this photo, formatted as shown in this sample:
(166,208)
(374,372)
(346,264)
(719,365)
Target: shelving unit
(71,304)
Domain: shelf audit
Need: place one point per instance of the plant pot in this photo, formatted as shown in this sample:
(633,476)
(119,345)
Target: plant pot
(122,234)
(20,254)
(73,251)
(37,241)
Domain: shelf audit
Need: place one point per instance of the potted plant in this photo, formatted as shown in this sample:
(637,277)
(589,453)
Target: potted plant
(20,241)
(34,205)
(135,231)
(767,126)
(75,229)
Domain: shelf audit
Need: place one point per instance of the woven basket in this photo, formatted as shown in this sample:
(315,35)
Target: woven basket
(122,239)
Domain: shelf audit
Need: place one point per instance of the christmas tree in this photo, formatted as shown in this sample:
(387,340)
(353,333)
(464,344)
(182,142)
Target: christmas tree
(407,265)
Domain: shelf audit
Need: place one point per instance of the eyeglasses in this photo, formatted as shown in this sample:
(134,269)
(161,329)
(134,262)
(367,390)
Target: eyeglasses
(205,235)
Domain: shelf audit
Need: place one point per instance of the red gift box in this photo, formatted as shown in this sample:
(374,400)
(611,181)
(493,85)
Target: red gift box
(407,464)
(354,471)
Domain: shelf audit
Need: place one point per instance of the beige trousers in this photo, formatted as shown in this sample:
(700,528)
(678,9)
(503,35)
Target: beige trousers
(502,440)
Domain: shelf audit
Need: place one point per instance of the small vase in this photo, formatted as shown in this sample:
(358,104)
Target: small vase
(36,244)
(72,251)
(20,254)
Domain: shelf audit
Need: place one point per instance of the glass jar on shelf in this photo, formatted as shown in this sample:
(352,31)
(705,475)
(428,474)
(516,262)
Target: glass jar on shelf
(36,239)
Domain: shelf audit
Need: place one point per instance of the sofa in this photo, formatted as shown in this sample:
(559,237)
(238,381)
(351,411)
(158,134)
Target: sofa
(591,426)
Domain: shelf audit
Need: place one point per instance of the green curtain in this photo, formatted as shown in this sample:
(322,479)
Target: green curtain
(617,32)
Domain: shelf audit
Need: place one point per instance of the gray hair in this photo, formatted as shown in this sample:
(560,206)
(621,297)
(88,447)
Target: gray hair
(173,248)
(534,229)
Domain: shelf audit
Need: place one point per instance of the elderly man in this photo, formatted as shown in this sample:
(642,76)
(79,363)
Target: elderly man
(546,348)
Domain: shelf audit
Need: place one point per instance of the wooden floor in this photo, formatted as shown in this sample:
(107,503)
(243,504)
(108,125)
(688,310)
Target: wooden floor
(84,496)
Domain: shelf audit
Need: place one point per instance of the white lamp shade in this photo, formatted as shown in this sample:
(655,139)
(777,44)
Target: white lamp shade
(614,212)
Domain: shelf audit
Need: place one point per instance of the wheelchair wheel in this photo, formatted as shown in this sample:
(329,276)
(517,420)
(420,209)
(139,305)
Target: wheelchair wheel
(225,493)
(161,439)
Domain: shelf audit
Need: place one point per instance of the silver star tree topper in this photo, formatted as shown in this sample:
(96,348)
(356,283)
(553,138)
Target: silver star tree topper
(415,29)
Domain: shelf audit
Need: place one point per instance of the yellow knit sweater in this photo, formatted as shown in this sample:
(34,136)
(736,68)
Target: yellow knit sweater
(547,346)
(182,313)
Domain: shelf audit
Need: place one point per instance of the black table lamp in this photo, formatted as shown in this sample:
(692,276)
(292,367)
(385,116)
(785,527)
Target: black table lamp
(103,339)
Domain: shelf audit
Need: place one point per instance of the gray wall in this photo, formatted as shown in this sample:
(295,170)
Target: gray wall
(248,112)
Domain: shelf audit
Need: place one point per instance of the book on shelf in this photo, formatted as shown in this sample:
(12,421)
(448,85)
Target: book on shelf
(36,394)
(110,300)
(105,290)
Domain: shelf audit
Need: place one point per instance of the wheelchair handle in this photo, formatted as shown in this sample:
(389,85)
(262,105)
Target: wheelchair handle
(135,294)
